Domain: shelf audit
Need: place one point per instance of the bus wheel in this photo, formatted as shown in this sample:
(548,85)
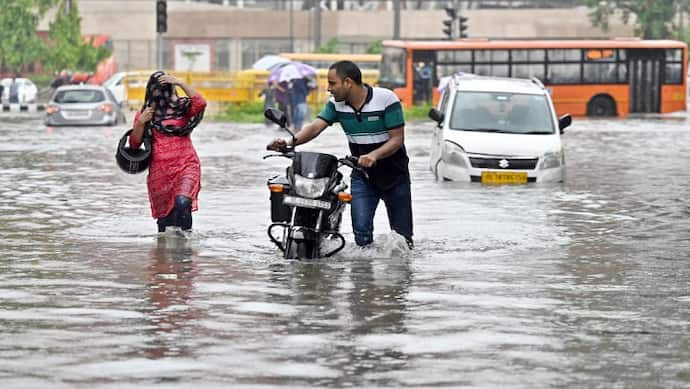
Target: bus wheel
(601,105)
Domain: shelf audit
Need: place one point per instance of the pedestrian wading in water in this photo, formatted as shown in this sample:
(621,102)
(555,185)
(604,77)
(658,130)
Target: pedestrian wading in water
(174,178)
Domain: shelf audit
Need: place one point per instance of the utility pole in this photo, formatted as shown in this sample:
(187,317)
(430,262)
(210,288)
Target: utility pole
(317,25)
(681,19)
(396,19)
(292,33)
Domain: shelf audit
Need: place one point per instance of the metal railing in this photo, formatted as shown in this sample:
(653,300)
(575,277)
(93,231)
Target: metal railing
(221,89)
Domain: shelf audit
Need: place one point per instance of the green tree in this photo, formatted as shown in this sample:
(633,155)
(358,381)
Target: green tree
(67,47)
(374,48)
(653,18)
(19,43)
(331,47)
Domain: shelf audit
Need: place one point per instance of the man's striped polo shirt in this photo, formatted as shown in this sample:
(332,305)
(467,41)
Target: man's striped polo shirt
(367,130)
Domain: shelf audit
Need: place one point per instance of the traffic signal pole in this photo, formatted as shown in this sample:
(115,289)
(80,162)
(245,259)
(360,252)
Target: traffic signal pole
(161,27)
(159,50)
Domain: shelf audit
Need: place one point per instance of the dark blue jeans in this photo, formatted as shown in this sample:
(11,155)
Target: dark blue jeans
(180,216)
(365,199)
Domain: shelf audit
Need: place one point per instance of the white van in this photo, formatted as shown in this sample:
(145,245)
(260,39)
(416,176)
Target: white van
(496,131)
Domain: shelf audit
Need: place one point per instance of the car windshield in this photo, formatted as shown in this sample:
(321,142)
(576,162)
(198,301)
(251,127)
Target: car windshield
(79,96)
(512,113)
(113,80)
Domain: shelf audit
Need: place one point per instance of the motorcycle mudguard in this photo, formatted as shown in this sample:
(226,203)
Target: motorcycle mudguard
(301,249)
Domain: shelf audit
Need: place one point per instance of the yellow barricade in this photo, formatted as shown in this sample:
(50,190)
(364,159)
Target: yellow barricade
(223,88)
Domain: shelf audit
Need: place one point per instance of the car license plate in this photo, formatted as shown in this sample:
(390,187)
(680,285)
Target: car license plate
(498,178)
(76,114)
(306,203)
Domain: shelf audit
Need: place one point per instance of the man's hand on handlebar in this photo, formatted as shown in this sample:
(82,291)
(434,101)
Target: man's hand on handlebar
(278,144)
(366,160)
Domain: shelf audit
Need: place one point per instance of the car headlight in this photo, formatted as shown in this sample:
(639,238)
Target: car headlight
(552,160)
(453,154)
(310,187)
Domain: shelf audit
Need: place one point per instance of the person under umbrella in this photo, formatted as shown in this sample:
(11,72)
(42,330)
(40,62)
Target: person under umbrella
(174,178)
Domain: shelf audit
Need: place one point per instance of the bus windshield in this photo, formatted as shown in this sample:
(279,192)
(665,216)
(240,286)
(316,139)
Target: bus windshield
(502,112)
(392,69)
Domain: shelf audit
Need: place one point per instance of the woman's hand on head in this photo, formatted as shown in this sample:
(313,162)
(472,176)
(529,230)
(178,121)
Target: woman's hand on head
(168,79)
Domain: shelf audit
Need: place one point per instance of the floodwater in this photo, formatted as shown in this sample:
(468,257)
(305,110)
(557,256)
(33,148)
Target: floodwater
(584,284)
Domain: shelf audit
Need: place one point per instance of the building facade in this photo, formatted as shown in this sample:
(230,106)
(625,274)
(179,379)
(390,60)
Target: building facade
(220,35)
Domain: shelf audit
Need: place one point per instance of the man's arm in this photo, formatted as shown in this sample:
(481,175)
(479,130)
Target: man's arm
(395,142)
(307,133)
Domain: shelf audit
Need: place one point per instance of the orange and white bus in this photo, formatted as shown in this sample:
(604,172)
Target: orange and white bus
(585,77)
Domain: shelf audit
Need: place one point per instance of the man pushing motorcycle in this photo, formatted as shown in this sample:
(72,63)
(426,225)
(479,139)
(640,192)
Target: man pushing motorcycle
(373,121)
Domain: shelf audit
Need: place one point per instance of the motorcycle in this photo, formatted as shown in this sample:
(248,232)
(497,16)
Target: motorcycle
(308,201)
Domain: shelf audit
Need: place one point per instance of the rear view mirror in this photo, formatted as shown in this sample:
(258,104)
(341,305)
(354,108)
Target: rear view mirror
(436,115)
(564,121)
(276,116)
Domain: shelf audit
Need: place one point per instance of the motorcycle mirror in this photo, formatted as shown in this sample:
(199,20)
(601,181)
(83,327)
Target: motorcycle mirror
(276,116)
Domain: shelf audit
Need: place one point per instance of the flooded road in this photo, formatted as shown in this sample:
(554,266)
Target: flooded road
(584,284)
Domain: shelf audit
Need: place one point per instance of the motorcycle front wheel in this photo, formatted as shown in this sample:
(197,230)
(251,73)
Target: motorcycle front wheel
(302,249)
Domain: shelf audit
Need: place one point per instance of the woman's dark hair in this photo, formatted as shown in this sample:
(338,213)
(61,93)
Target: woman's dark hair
(166,108)
(347,69)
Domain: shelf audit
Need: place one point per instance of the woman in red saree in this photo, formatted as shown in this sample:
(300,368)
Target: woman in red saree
(174,178)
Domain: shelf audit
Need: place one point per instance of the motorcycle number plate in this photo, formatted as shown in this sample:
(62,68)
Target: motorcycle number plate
(306,203)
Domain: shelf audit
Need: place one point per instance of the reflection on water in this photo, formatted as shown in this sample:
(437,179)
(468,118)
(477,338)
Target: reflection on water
(580,284)
(171,276)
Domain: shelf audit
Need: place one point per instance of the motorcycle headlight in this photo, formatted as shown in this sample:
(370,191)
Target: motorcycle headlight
(453,154)
(310,188)
(552,160)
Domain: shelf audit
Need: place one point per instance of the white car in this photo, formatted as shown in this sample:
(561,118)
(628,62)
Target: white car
(496,131)
(116,85)
(27,90)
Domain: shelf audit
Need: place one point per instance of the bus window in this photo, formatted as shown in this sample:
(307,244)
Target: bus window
(564,55)
(604,73)
(527,63)
(600,66)
(563,73)
(392,70)
(491,70)
(527,55)
(528,71)
(673,71)
(491,56)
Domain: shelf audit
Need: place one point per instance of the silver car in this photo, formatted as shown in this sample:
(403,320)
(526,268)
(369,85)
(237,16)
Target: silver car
(83,105)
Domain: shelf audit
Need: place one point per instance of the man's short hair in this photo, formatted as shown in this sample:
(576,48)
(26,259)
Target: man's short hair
(347,69)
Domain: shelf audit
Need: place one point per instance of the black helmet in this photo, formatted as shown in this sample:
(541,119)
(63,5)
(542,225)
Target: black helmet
(133,161)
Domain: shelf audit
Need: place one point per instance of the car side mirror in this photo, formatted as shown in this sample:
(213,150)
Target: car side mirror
(564,121)
(437,116)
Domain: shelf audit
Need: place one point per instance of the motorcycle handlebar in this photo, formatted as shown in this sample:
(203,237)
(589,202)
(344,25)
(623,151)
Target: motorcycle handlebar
(352,161)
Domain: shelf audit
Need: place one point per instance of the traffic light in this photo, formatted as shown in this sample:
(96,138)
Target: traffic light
(449,28)
(448,23)
(462,27)
(161,16)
